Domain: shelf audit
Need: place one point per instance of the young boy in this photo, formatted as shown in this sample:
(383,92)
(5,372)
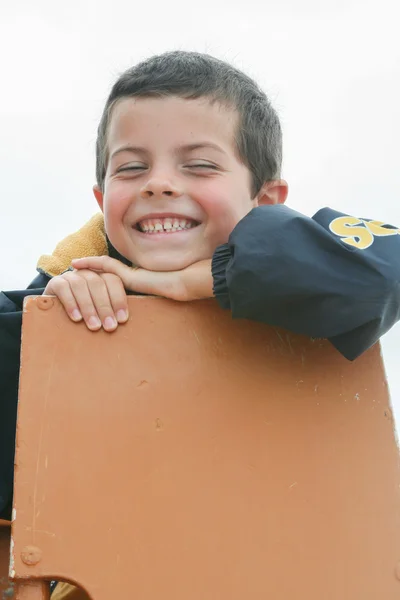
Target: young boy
(188,180)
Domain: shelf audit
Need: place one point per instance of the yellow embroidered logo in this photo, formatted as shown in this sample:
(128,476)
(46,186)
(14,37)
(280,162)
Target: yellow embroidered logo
(359,233)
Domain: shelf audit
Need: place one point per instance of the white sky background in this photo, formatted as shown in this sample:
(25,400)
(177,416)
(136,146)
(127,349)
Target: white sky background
(332,69)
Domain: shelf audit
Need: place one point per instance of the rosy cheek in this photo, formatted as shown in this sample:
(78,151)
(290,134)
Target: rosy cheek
(117,199)
(224,210)
(215,200)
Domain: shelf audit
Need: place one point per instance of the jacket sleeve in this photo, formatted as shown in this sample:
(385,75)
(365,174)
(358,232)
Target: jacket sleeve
(330,276)
(10,344)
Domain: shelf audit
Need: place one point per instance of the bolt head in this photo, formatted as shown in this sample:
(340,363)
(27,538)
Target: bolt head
(45,303)
(31,555)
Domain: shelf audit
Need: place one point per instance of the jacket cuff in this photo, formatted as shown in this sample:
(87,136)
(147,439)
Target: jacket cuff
(219,264)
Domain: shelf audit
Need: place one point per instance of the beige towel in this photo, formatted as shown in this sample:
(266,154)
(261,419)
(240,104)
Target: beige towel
(90,240)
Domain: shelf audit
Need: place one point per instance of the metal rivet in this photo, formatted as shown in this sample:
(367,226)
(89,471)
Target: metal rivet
(45,303)
(31,555)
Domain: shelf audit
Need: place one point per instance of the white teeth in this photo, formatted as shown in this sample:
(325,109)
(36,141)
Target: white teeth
(167,225)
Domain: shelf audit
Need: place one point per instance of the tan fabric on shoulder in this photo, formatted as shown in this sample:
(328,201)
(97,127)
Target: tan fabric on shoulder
(90,240)
(66,591)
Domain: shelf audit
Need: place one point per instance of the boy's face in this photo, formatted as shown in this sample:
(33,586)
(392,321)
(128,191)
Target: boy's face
(174,187)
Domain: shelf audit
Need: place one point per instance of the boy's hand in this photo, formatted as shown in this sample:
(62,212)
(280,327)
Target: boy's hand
(97,298)
(193,283)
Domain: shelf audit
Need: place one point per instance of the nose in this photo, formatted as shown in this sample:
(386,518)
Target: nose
(160,186)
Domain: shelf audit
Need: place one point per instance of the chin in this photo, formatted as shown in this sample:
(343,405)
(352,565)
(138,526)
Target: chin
(165,263)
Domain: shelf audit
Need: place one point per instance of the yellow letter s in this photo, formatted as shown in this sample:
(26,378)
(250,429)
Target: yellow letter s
(352,231)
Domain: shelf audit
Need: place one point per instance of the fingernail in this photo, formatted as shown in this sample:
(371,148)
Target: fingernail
(94,323)
(122,316)
(110,323)
(76,315)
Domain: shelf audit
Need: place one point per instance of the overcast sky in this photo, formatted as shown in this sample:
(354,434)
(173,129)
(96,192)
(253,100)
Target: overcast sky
(332,69)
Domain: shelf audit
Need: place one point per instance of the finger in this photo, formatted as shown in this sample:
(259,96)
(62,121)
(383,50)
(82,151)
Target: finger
(60,288)
(100,299)
(117,295)
(106,264)
(83,298)
(159,283)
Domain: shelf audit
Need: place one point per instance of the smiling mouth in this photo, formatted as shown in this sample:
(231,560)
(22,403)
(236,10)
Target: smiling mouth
(165,225)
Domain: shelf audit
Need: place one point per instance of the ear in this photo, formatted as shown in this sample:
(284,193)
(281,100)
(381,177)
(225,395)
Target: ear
(272,192)
(98,194)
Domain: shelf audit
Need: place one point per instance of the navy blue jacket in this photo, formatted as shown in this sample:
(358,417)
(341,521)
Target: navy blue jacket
(332,276)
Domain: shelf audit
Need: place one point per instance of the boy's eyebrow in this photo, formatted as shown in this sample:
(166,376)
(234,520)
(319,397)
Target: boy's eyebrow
(186,148)
(132,149)
(200,145)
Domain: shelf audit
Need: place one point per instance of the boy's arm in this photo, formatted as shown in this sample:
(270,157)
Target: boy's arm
(10,344)
(331,276)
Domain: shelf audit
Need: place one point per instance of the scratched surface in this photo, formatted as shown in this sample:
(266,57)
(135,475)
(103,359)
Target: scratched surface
(6,586)
(189,456)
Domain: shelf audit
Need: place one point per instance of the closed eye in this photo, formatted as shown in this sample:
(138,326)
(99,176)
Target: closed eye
(192,167)
(131,168)
(202,166)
